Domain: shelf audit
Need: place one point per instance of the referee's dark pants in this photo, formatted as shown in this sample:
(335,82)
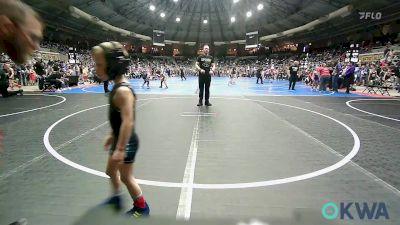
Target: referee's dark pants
(348,81)
(260,78)
(292,81)
(335,84)
(106,86)
(204,83)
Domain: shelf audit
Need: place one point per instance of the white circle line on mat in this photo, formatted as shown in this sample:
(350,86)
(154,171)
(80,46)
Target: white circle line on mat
(339,164)
(258,93)
(370,113)
(84,90)
(31,110)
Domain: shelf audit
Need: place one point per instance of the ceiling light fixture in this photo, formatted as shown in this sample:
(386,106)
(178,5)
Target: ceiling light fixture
(248,14)
(152,7)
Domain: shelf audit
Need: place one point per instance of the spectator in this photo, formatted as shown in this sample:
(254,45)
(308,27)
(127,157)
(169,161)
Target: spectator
(335,76)
(397,74)
(324,74)
(39,68)
(21,74)
(5,83)
(32,76)
(349,77)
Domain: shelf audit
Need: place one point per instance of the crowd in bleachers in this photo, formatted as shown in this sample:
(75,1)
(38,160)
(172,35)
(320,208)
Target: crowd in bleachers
(272,67)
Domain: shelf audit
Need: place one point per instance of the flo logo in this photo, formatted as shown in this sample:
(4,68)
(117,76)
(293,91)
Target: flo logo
(370,15)
(355,210)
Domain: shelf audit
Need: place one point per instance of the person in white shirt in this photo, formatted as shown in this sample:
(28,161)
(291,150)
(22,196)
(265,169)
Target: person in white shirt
(232,77)
(163,77)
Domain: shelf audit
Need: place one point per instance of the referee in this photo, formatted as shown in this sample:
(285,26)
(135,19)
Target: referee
(206,67)
(293,76)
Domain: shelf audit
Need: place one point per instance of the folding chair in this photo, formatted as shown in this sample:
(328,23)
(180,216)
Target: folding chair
(384,88)
(370,87)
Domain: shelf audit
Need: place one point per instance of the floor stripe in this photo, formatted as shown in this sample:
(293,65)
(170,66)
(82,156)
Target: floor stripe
(354,115)
(385,117)
(219,86)
(185,199)
(84,90)
(361,169)
(342,162)
(31,110)
(199,115)
(367,103)
(26,98)
(38,158)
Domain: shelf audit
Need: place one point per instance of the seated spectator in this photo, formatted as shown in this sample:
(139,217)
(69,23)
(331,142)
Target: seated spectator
(32,76)
(56,78)
(5,83)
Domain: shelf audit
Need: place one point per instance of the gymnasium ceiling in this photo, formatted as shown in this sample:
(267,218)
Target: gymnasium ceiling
(275,16)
